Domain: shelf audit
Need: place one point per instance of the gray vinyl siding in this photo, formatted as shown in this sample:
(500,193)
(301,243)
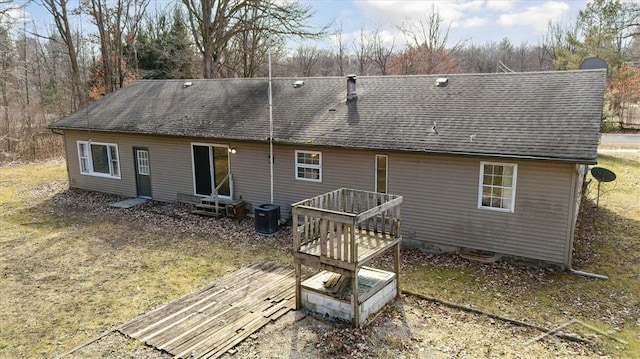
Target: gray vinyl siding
(169,165)
(441,206)
(350,169)
(250,169)
(440,192)
(124,186)
(441,199)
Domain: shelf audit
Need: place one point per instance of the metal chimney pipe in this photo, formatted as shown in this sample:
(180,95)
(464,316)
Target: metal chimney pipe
(351,88)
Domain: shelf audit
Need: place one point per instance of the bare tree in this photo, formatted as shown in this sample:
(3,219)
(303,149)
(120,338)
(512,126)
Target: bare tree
(61,17)
(305,59)
(113,22)
(7,57)
(362,51)
(132,23)
(247,51)
(505,52)
(379,53)
(340,53)
(6,6)
(215,22)
(428,40)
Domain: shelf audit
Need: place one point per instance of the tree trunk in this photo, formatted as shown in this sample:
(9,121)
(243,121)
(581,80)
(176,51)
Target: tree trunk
(61,18)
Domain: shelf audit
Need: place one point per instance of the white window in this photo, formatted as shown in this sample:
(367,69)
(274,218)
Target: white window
(497,186)
(85,157)
(309,166)
(143,162)
(99,159)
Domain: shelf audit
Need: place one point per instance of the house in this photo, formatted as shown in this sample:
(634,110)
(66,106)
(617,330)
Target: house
(488,162)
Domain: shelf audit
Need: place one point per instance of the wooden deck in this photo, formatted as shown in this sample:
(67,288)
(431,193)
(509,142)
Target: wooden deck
(208,323)
(340,231)
(368,243)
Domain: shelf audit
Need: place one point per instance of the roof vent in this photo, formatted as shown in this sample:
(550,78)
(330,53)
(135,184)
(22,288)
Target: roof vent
(442,81)
(298,83)
(434,128)
(351,88)
(187,84)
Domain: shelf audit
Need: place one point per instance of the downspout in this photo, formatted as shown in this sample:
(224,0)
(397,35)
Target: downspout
(587,274)
(581,171)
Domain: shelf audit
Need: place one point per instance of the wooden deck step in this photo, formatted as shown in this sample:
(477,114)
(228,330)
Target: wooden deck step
(225,208)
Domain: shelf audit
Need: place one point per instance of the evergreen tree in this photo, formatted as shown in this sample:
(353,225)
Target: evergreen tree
(165,50)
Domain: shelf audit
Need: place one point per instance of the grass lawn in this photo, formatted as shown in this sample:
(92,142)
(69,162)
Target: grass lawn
(67,277)
(69,273)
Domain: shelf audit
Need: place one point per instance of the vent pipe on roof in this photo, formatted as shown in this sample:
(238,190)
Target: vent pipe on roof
(351,88)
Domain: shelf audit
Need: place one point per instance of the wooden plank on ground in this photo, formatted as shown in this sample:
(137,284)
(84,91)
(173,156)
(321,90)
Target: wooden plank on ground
(210,331)
(177,306)
(210,322)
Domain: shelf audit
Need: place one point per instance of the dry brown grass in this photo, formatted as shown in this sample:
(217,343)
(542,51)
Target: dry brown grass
(69,273)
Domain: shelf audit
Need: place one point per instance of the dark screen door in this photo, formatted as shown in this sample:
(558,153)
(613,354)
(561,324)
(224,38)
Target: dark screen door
(143,172)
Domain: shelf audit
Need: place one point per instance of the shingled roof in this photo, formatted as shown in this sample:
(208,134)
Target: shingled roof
(544,115)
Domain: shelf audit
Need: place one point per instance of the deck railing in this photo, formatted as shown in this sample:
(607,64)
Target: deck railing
(333,221)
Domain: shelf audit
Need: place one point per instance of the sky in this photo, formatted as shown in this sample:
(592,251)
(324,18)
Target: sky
(472,21)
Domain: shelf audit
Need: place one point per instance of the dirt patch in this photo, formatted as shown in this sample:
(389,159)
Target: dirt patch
(407,328)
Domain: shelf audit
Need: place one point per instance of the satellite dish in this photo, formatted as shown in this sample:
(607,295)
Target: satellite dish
(602,175)
(594,63)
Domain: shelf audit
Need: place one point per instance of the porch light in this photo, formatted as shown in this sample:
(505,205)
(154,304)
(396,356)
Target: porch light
(232,150)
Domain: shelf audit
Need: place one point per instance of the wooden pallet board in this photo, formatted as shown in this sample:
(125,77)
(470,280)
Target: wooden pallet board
(210,322)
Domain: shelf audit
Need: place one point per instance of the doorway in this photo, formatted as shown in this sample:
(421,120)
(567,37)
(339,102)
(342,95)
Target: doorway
(210,168)
(143,172)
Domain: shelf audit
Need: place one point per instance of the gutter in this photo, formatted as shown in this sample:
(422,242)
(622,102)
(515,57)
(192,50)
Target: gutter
(587,161)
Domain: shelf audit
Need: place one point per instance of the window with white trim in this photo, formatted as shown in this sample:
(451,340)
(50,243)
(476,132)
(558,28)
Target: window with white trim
(309,166)
(143,162)
(497,189)
(99,159)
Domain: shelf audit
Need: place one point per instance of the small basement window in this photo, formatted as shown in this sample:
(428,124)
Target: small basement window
(309,166)
(497,188)
(99,159)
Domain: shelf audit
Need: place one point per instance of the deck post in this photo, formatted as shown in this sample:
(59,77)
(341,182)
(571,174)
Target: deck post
(396,266)
(296,231)
(296,248)
(355,301)
(298,286)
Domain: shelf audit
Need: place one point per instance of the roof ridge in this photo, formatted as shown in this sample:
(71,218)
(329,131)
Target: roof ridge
(466,74)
